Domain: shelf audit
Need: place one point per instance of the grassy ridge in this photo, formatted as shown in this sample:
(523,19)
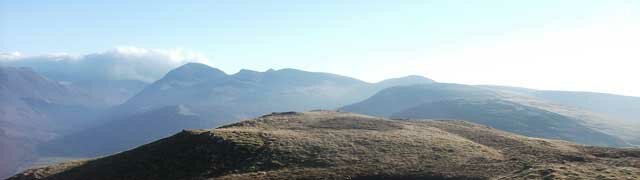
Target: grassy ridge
(333,145)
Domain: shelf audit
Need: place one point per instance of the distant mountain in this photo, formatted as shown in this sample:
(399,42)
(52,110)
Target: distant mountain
(399,98)
(112,76)
(512,117)
(25,83)
(255,92)
(29,99)
(622,107)
(511,112)
(330,145)
(105,91)
(216,98)
(407,80)
(198,84)
(129,132)
(34,109)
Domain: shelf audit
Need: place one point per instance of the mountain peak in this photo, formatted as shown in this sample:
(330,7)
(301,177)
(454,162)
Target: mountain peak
(194,71)
(406,80)
(24,82)
(246,74)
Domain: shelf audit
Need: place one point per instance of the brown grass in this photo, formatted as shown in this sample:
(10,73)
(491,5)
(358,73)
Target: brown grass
(333,145)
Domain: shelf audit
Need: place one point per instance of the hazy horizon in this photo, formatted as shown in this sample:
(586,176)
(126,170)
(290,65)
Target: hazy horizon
(567,45)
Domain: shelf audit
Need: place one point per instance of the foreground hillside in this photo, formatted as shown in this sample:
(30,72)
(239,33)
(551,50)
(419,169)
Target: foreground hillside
(334,145)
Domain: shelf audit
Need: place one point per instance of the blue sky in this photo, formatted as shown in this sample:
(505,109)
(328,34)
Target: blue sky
(522,43)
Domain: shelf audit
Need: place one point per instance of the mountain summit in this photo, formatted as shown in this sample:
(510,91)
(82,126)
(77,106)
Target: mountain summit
(407,80)
(194,72)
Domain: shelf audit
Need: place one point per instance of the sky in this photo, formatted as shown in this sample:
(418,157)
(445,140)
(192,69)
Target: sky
(578,45)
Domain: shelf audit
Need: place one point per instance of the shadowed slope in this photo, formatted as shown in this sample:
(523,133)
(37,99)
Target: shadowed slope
(322,144)
(34,109)
(129,132)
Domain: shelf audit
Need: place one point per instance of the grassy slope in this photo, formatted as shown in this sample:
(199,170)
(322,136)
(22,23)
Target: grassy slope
(630,132)
(611,114)
(512,117)
(397,100)
(317,145)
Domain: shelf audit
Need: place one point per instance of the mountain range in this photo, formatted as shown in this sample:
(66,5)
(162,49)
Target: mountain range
(513,112)
(214,98)
(254,92)
(45,115)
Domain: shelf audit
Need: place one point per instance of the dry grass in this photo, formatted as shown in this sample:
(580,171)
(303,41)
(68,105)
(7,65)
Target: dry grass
(332,145)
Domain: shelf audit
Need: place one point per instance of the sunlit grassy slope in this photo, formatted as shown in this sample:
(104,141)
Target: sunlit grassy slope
(336,145)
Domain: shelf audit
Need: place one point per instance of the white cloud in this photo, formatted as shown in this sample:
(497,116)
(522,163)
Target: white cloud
(8,56)
(121,63)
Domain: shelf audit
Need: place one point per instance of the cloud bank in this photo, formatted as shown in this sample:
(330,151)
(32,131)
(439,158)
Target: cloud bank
(122,63)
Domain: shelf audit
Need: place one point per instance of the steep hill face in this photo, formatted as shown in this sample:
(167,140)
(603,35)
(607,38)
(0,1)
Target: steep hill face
(128,132)
(31,111)
(511,112)
(332,145)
